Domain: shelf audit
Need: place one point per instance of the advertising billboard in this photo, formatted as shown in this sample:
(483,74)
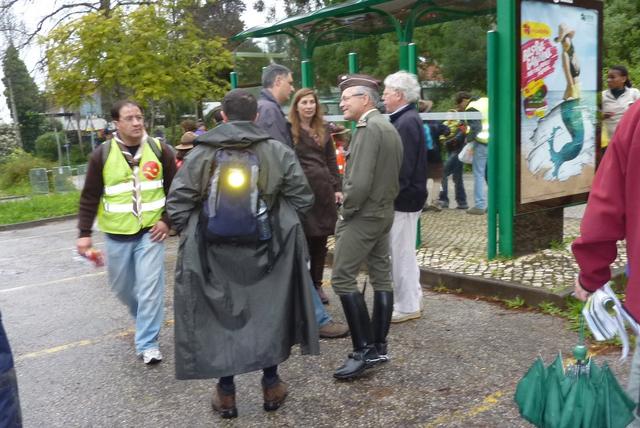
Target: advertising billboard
(559,81)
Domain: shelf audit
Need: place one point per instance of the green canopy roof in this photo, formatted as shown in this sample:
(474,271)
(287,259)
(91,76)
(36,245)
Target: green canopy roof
(361,18)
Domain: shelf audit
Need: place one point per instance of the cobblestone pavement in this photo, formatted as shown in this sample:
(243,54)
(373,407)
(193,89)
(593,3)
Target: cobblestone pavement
(455,241)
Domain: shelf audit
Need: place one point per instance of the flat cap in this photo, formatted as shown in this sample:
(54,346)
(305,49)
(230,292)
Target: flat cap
(348,80)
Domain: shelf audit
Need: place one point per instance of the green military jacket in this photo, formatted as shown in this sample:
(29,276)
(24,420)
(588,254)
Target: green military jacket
(371,180)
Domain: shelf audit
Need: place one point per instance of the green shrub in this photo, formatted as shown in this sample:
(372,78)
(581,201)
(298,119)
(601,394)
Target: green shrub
(47,147)
(14,171)
(77,158)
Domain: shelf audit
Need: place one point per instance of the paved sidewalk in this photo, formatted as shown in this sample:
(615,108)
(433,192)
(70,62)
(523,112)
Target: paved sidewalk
(455,242)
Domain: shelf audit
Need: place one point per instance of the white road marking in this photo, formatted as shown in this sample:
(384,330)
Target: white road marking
(56,281)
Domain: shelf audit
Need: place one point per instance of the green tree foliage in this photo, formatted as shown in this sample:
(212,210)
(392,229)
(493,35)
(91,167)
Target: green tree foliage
(459,49)
(218,18)
(153,54)
(622,36)
(28,100)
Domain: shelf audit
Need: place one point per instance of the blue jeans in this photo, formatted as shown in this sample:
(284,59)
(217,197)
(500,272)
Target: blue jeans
(479,175)
(453,167)
(136,274)
(10,414)
(322,316)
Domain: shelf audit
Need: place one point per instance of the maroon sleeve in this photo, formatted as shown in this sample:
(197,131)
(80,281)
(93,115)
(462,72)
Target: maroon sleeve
(169,171)
(91,193)
(604,220)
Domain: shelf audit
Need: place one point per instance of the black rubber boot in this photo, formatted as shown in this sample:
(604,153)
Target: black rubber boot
(364,354)
(382,311)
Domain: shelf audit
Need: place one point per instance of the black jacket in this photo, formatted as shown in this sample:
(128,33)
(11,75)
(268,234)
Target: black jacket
(272,120)
(413,173)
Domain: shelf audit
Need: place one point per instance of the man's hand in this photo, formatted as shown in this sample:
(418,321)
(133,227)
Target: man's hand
(83,244)
(339,198)
(579,292)
(159,231)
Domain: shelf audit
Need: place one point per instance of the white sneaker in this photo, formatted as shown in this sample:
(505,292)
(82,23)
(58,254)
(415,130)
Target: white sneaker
(398,317)
(151,356)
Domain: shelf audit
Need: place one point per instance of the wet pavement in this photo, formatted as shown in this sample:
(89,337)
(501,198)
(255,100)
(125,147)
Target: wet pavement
(457,366)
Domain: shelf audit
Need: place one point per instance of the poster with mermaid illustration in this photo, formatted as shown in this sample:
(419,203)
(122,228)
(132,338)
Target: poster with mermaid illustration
(559,76)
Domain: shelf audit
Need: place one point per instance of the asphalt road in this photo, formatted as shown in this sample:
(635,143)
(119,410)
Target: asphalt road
(457,366)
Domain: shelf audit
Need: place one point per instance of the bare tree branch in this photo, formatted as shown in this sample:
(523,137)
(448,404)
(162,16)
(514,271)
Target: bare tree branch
(6,5)
(42,21)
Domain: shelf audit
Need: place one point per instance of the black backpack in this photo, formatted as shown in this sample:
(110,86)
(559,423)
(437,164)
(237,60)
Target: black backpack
(233,210)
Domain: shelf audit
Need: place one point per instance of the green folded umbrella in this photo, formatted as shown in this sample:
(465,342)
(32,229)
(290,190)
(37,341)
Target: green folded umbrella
(583,395)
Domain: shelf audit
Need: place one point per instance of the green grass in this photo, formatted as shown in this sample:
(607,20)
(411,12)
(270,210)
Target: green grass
(39,207)
(515,303)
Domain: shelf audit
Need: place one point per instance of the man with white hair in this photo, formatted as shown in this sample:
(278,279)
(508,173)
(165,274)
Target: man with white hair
(401,92)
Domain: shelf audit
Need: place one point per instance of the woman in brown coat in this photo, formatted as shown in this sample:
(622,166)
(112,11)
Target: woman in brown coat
(317,155)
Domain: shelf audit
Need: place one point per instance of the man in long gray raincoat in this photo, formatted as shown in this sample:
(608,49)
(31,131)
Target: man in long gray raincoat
(241,307)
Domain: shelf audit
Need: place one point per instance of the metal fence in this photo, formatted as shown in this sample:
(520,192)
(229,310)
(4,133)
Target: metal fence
(59,179)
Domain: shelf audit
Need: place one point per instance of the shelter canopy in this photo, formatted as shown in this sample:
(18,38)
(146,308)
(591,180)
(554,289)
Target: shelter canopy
(360,18)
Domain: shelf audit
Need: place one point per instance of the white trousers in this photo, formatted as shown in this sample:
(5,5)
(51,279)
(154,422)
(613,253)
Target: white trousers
(407,292)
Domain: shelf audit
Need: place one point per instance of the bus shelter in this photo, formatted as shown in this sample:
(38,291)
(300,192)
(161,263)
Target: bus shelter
(523,65)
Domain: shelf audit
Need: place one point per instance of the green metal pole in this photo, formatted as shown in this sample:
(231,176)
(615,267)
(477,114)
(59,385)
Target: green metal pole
(233,77)
(412,68)
(404,56)
(492,81)
(307,73)
(412,53)
(505,135)
(353,68)
(353,62)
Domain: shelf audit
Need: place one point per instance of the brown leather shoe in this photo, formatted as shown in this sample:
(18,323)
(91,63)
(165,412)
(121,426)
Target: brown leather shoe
(333,330)
(274,395)
(224,403)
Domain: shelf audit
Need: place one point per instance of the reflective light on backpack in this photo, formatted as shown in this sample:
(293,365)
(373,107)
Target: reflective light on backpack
(236,177)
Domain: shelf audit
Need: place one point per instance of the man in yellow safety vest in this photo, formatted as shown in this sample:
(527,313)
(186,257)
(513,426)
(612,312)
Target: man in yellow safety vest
(126,184)
(478,134)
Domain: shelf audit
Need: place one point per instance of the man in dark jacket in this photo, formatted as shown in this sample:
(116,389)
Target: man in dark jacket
(277,87)
(10,413)
(241,307)
(277,82)
(370,186)
(401,92)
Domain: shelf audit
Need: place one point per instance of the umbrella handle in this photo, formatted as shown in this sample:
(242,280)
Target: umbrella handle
(580,351)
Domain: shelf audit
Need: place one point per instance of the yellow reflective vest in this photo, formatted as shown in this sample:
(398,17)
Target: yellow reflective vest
(482,105)
(131,203)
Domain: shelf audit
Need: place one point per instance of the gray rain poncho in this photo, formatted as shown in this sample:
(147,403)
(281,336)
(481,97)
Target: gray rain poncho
(232,313)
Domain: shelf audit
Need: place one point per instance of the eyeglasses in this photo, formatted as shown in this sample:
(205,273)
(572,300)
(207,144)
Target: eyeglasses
(348,97)
(131,119)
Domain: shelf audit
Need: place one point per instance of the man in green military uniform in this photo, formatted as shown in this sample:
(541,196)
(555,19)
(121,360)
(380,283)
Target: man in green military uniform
(371,183)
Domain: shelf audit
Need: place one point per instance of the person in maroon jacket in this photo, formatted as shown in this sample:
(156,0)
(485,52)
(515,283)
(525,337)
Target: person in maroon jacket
(613,214)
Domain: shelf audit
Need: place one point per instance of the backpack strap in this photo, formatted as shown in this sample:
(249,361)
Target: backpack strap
(105,148)
(155,147)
